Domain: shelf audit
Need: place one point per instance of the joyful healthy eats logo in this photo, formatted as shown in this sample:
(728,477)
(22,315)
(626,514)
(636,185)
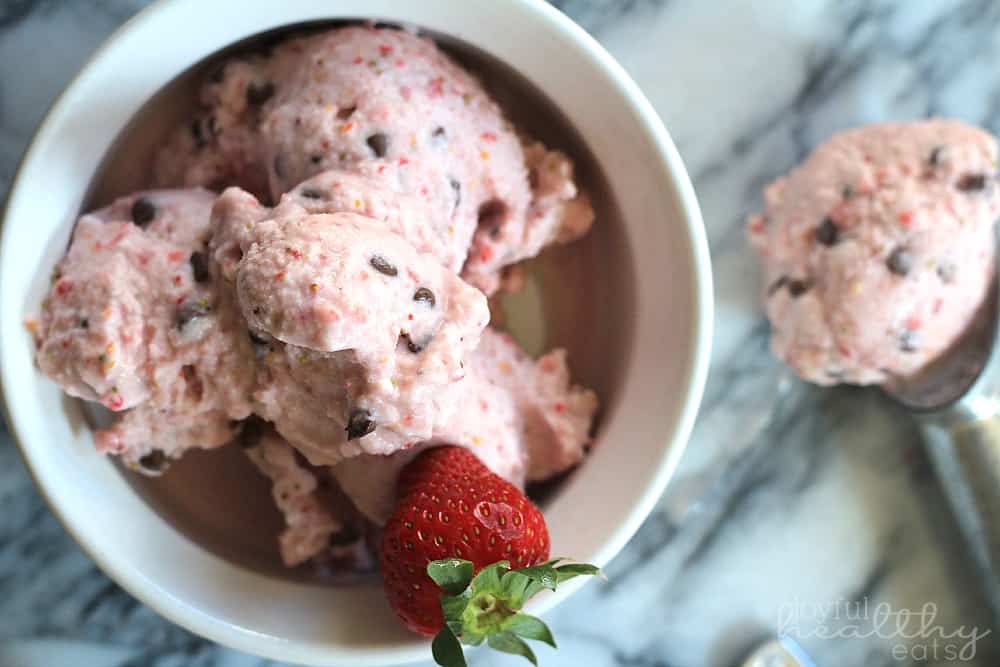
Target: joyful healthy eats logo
(913,634)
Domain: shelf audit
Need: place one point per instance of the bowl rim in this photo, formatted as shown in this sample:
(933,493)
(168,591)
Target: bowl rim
(695,373)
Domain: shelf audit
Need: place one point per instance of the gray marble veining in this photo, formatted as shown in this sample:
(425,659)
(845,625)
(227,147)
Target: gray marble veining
(791,502)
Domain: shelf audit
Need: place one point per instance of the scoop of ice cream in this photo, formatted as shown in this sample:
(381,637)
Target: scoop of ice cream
(134,320)
(878,249)
(389,104)
(523,418)
(352,313)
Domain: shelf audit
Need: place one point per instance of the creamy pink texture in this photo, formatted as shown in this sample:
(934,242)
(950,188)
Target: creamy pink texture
(134,321)
(523,418)
(352,314)
(878,249)
(309,523)
(389,104)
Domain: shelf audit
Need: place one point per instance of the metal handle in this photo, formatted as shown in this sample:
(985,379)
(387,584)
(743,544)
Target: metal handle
(966,455)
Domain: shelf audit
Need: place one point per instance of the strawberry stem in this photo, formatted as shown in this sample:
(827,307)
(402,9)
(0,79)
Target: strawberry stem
(487,606)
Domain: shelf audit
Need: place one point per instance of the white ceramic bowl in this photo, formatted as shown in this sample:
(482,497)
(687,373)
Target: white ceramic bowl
(654,252)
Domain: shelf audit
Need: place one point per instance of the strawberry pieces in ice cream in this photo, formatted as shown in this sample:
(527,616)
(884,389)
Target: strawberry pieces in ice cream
(878,249)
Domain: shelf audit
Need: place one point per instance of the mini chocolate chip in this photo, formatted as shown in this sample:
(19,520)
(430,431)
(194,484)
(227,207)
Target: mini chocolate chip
(777,285)
(84,323)
(425,295)
(937,153)
(258,93)
(154,463)
(382,266)
(847,192)
(798,287)
(143,211)
(316,159)
(946,271)
(410,345)
(345,536)
(187,312)
(457,189)
(359,424)
(197,134)
(379,143)
(492,213)
(199,267)
(261,346)
(900,261)
(311,193)
(251,431)
(439,133)
(344,113)
(909,340)
(971,183)
(827,233)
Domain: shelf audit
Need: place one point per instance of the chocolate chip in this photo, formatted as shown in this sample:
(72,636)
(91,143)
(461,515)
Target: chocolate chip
(410,345)
(439,134)
(456,187)
(827,233)
(971,183)
(379,143)
(847,192)
(798,287)
(251,431)
(190,311)
(777,285)
(143,211)
(199,267)
(261,346)
(316,159)
(946,271)
(258,93)
(900,261)
(382,266)
(424,295)
(344,113)
(492,214)
(311,193)
(359,424)
(936,156)
(84,323)
(909,340)
(197,134)
(154,463)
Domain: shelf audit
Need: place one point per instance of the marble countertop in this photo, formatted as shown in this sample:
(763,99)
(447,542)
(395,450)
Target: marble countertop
(795,509)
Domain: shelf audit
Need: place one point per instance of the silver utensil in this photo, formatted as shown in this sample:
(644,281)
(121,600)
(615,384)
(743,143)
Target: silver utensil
(956,402)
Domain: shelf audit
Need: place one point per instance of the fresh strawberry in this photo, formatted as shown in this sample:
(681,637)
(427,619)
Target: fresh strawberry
(456,530)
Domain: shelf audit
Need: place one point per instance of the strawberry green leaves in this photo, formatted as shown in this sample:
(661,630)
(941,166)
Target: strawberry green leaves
(487,606)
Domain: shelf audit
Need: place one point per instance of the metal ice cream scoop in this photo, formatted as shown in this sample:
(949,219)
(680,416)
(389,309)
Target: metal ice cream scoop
(956,402)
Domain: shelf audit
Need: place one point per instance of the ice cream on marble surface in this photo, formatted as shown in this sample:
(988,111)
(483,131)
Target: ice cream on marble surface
(522,417)
(391,105)
(878,249)
(135,320)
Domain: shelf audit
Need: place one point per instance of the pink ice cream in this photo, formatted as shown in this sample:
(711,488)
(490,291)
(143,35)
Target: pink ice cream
(352,313)
(385,103)
(134,320)
(878,249)
(523,418)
